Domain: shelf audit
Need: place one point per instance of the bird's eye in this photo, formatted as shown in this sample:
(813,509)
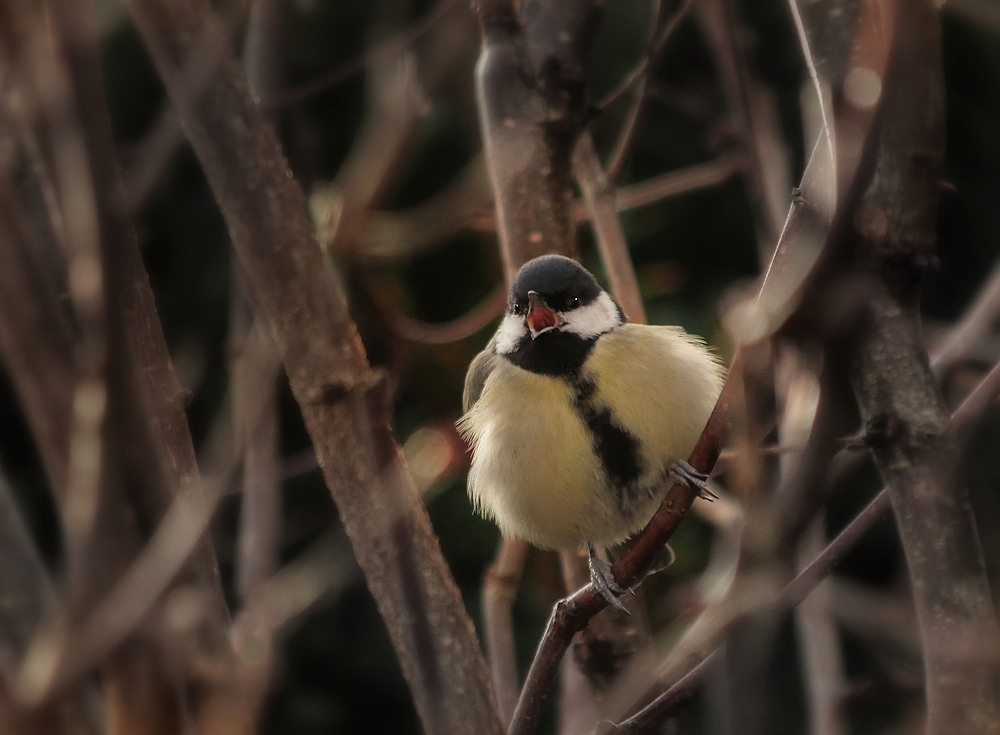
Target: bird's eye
(573,302)
(517,308)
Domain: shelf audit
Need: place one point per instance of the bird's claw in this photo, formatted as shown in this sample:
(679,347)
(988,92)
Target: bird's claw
(603,581)
(683,473)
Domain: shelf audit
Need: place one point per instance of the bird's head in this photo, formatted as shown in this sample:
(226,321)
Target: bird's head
(554,298)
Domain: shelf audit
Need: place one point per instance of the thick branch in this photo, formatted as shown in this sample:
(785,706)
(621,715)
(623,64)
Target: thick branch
(341,400)
(908,429)
(531,92)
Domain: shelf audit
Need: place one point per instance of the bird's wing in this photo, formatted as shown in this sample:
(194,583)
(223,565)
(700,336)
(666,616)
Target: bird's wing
(479,370)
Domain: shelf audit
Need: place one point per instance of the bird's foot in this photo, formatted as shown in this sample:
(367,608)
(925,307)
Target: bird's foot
(603,580)
(683,473)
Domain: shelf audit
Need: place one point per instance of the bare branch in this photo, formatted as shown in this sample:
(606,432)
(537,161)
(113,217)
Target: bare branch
(499,591)
(656,45)
(530,119)
(815,223)
(29,599)
(813,573)
(255,371)
(822,663)
(598,193)
(451,331)
(975,324)
(340,398)
(392,46)
(255,365)
(672,183)
(36,342)
(766,159)
(626,137)
(464,206)
(907,423)
(400,91)
(318,574)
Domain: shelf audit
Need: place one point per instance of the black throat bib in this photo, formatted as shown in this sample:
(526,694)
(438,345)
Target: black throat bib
(554,353)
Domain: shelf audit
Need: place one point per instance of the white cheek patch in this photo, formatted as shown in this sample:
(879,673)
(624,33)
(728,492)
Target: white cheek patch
(598,317)
(512,330)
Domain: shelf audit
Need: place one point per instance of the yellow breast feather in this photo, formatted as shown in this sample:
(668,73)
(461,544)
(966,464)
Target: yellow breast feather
(662,384)
(525,473)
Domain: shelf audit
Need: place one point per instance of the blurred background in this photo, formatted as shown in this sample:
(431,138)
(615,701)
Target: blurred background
(374,105)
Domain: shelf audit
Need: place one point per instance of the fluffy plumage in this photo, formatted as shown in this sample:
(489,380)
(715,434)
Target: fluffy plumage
(573,429)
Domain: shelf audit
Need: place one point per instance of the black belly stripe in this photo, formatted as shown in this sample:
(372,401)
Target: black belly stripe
(617,448)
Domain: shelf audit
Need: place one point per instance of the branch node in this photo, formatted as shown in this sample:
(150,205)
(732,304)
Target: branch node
(340,389)
(883,430)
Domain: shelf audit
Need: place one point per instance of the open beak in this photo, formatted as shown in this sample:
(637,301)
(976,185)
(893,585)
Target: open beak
(540,317)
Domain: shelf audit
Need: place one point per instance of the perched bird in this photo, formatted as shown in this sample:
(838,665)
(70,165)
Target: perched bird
(577,421)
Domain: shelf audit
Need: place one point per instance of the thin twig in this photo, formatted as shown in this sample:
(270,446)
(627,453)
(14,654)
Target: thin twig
(977,320)
(464,326)
(145,166)
(256,367)
(393,46)
(401,93)
(317,575)
(822,662)
(673,183)
(73,652)
(630,128)
(464,206)
(641,69)
(499,590)
(36,343)
(599,195)
(765,157)
(691,682)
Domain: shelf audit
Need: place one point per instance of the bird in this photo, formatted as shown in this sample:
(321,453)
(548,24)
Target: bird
(577,420)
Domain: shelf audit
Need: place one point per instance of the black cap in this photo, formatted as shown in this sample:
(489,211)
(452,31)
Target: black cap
(556,279)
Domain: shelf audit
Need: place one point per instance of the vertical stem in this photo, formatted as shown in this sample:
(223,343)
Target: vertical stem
(821,660)
(499,591)
(255,367)
(599,194)
(908,426)
(531,115)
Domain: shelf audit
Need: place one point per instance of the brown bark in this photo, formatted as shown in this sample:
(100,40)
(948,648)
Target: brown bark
(908,428)
(341,399)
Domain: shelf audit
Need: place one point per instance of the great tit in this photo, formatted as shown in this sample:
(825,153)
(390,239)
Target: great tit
(577,421)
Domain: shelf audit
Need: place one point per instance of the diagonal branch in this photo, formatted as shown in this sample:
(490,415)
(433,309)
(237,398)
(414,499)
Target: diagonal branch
(821,566)
(599,194)
(341,399)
